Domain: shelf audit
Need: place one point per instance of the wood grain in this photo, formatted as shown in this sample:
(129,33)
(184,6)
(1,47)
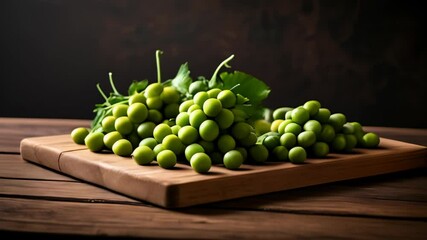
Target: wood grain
(195,223)
(183,187)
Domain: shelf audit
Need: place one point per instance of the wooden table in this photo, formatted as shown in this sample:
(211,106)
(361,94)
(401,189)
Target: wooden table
(37,202)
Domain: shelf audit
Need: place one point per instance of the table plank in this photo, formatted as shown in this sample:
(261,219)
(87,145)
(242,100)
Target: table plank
(141,221)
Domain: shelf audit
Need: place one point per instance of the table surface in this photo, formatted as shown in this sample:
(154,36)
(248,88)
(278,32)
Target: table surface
(37,202)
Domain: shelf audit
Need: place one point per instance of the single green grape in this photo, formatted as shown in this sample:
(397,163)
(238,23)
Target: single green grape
(371,140)
(201,162)
(192,149)
(197,86)
(348,128)
(123,125)
(95,141)
(239,115)
(248,141)
(297,155)
(208,130)
(166,159)
(209,146)
(213,93)
(138,97)
(172,142)
(288,140)
(241,130)
(306,139)
(137,112)
(153,90)
(79,134)
(158,148)
(312,107)
(225,118)
(154,103)
(337,121)
(120,110)
(122,147)
(270,142)
(108,124)
(233,159)
(313,125)
(212,107)
(339,142)
(300,115)
(261,126)
(161,131)
(169,95)
(288,115)
(226,143)
(350,142)
(280,113)
(143,155)
(283,124)
(227,98)
(155,116)
(183,119)
(192,108)
(188,135)
(197,117)
(320,149)
(145,129)
(258,153)
(327,134)
(175,129)
(183,107)
(200,98)
(171,110)
(243,151)
(280,153)
(110,138)
(275,125)
(322,115)
(148,142)
(294,128)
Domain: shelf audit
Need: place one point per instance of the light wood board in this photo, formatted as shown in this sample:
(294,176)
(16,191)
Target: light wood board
(181,186)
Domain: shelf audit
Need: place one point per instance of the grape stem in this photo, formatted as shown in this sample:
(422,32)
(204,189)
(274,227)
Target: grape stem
(213,82)
(110,75)
(102,93)
(159,77)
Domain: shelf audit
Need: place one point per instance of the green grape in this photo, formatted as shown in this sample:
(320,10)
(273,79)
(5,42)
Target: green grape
(297,155)
(161,131)
(169,95)
(337,120)
(197,117)
(225,118)
(143,155)
(183,107)
(137,112)
(288,140)
(153,90)
(122,147)
(300,115)
(350,142)
(280,113)
(79,134)
(158,148)
(145,129)
(313,125)
(339,142)
(149,142)
(95,141)
(171,110)
(175,129)
(227,98)
(357,127)
(155,116)
(275,125)
(188,135)
(138,97)
(282,125)
(194,107)
(108,124)
(154,103)
(348,128)
(312,107)
(197,86)
(209,146)
(239,115)
(123,125)
(258,153)
(213,93)
(212,107)
(293,128)
(243,151)
(371,140)
(166,159)
(134,139)
(209,130)
(320,149)
(173,143)
(270,142)
(226,143)
(200,98)
(322,115)
(288,115)
(306,139)
(201,162)
(216,158)
(110,138)
(249,140)
(192,149)
(183,119)
(233,159)
(241,130)
(280,153)
(261,126)
(327,134)
(120,110)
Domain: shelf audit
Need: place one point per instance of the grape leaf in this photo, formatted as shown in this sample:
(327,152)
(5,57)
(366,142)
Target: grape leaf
(182,79)
(246,85)
(137,87)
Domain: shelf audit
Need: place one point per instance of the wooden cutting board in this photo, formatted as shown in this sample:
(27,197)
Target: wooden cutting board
(181,186)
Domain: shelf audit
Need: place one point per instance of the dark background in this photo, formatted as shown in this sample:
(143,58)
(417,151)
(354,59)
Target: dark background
(367,59)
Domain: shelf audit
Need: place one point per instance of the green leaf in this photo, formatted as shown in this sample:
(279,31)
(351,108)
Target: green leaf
(137,87)
(182,79)
(246,85)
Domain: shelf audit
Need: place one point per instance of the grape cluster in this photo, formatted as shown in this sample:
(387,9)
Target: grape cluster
(312,130)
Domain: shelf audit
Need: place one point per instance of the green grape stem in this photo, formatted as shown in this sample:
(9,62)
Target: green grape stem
(159,76)
(102,93)
(214,82)
(110,75)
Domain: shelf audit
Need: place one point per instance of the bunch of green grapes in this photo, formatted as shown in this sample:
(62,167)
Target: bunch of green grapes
(312,130)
